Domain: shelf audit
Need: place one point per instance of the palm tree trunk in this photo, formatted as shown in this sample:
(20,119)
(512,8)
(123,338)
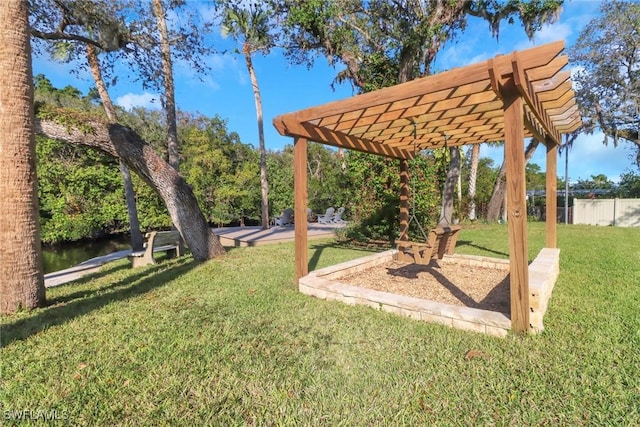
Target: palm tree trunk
(22,283)
(173,145)
(473,179)
(129,193)
(126,145)
(264,184)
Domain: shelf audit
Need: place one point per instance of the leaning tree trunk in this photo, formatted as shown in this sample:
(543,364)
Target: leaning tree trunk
(22,280)
(124,144)
(129,193)
(173,146)
(500,187)
(448,191)
(264,184)
(497,197)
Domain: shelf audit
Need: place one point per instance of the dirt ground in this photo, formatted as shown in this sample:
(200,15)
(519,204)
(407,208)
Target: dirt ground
(462,285)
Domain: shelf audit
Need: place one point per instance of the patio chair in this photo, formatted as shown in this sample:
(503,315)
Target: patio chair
(337,217)
(286,218)
(310,216)
(327,217)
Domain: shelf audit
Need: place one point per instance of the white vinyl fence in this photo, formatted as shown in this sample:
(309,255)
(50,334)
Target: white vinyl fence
(619,212)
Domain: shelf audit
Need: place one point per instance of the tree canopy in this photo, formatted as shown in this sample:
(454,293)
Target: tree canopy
(607,59)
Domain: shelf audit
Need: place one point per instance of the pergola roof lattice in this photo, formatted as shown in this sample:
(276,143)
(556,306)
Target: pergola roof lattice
(460,106)
(506,98)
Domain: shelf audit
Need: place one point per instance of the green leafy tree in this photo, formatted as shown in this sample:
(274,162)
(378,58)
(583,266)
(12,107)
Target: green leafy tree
(607,57)
(221,169)
(76,184)
(536,178)
(629,185)
(485,179)
(382,43)
(374,188)
(280,169)
(80,192)
(597,182)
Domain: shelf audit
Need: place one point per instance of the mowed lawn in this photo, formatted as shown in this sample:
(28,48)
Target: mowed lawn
(231,342)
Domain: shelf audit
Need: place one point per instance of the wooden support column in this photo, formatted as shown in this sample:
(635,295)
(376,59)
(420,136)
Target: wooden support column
(404,200)
(552,195)
(516,207)
(300,207)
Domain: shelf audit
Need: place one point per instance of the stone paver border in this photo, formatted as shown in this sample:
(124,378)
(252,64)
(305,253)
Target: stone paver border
(543,272)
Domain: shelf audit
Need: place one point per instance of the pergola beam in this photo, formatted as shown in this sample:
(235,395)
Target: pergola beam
(516,208)
(530,99)
(401,92)
(551,195)
(290,127)
(300,207)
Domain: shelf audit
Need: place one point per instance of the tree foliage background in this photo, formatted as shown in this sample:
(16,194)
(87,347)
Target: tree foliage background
(80,188)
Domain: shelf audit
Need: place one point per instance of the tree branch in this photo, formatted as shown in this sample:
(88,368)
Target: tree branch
(57,35)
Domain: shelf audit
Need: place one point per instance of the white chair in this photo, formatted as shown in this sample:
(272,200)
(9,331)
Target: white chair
(327,217)
(337,217)
(286,218)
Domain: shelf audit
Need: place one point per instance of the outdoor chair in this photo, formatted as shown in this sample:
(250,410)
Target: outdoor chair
(310,216)
(337,217)
(286,218)
(327,217)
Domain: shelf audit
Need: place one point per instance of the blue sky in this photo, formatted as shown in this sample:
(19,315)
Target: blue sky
(226,89)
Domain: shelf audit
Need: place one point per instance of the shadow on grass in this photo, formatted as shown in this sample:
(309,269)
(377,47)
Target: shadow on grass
(68,307)
(319,248)
(484,248)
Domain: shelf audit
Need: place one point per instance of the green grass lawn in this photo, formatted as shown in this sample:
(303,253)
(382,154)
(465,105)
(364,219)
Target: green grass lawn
(231,342)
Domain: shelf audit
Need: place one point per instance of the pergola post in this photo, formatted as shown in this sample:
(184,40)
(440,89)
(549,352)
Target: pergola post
(404,200)
(516,208)
(300,207)
(552,195)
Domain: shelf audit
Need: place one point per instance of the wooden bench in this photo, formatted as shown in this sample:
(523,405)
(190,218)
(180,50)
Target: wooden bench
(441,241)
(158,241)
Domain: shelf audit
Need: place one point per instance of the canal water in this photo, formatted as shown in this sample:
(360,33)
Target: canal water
(64,255)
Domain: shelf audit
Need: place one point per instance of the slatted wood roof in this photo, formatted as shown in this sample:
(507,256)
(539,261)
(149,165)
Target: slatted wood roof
(461,106)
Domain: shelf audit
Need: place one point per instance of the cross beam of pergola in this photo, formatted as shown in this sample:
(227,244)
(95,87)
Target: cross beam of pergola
(506,98)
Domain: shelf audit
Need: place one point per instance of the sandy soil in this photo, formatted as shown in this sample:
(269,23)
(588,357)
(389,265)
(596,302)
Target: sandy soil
(462,285)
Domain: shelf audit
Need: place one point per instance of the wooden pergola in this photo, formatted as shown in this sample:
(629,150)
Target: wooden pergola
(507,98)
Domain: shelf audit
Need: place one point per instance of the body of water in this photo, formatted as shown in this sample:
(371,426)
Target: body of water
(64,255)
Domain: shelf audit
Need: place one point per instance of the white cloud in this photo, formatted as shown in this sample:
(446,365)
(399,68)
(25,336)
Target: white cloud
(460,55)
(551,33)
(588,156)
(547,34)
(145,100)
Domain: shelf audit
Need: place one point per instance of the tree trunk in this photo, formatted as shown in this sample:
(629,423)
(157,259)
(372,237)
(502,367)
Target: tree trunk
(22,283)
(124,144)
(497,197)
(264,184)
(137,241)
(448,191)
(129,193)
(500,188)
(173,146)
(473,179)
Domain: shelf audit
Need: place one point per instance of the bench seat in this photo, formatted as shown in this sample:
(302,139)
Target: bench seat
(441,241)
(158,241)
